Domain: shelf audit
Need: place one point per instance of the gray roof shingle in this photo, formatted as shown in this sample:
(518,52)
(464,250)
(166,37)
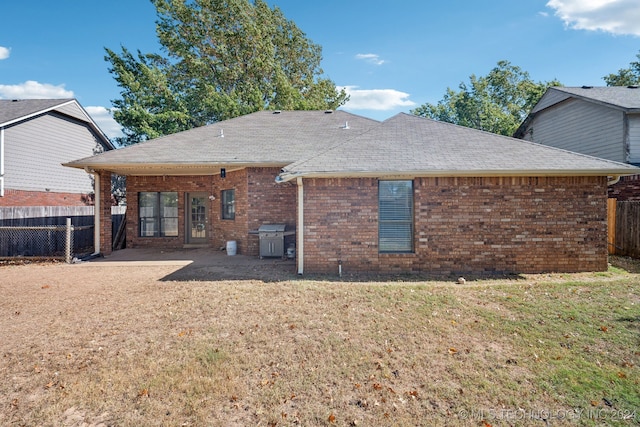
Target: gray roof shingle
(13,109)
(261,138)
(317,143)
(627,98)
(412,145)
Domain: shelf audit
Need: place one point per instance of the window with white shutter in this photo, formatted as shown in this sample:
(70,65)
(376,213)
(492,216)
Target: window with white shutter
(395,216)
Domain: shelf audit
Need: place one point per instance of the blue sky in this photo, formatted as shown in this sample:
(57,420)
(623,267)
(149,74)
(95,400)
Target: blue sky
(390,58)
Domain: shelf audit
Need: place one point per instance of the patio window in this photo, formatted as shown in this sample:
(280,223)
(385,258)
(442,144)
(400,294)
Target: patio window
(395,216)
(158,214)
(228,204)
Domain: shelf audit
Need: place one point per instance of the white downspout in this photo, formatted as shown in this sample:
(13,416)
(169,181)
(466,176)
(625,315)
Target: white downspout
(300,234)
(96,211)
(614,180)
(2,162)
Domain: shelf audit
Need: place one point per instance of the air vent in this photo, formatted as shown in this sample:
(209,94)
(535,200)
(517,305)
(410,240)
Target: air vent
(328,112)
(587,87)
(277,112)
(632,87)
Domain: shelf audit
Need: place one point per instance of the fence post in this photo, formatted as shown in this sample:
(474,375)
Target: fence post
(68,247)
(611,225)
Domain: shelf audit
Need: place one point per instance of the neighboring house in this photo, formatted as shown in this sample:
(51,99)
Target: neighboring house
(598,121)
(36,137)
(405,195)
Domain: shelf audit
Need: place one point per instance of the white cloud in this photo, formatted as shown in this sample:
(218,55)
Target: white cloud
(375,99)
(34,90)
(611,16)
(105,121)
(4,52)
(371,58)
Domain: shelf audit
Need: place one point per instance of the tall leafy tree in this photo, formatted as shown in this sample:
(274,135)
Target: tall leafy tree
(223,58)
(625,76)
(497,102)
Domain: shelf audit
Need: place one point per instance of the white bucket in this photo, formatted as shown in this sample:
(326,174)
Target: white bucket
(291,252)
(232,247)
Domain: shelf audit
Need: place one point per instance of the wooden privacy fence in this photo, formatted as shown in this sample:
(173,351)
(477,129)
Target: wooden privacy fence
(624,228)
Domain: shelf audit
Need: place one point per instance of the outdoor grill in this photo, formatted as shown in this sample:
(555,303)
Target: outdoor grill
(272,239)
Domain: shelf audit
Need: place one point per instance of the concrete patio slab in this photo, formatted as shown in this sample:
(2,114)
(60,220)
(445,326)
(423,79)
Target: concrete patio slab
(201,264)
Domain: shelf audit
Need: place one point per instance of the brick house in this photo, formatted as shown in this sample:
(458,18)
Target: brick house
(597,121)
(406,195)
(36,137)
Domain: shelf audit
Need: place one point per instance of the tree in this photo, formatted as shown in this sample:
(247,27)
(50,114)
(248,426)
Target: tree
(625,76)
(498,102)
(224,58)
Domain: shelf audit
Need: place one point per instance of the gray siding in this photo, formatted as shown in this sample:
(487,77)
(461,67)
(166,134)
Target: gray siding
(73,110)
(634,138)
(550,98)
(35,150)
(582,127)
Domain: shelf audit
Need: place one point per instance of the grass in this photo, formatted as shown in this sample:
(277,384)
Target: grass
(555,349)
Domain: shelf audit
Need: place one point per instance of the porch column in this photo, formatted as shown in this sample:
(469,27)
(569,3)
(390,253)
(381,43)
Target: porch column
(104,205)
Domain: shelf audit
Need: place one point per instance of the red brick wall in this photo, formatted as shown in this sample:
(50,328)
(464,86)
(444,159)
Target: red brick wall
(41,198)
(258,200)
(269,203)
(236,229)
(180,184)
(627,189)
(105,213)
(472,225)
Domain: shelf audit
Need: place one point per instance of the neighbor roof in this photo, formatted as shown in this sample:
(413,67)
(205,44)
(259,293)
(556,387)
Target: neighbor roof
(408,145)
(13,111)
(623,97)
(264,138)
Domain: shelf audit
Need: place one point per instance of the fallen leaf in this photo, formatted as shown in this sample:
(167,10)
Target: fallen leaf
(377,386)
(332,418)
(45,287)
(622,375)
(604,328)
(452,350)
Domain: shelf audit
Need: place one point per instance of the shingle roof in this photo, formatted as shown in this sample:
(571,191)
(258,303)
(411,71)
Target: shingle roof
(317,143)
(412,145)
(627,98)
(13,109)
(262,138)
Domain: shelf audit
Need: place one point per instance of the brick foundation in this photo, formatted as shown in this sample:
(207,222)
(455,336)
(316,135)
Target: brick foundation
(462,225)
(42,198)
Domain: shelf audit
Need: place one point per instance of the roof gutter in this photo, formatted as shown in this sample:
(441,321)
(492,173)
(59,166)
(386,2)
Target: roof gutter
(288,176)
(614,180)
(300,232)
